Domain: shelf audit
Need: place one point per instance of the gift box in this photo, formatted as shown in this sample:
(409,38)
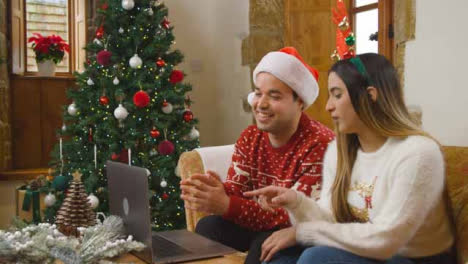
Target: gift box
(29,204)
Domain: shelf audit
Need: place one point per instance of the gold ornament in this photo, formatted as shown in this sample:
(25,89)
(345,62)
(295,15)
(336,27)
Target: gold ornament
(344,24)
(335,56)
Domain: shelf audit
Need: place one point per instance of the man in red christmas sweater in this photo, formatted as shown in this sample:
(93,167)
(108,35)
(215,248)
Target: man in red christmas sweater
(285,148)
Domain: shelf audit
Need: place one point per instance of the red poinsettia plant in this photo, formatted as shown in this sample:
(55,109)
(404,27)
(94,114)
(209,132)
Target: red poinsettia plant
(49,48)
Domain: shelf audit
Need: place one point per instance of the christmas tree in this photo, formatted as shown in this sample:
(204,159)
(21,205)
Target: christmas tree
(130,105)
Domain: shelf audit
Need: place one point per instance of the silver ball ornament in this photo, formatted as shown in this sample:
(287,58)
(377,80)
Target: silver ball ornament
(93,201)
(120,112)
(72,110)
(128,4)
(135,62)
(163,183)
(167,109)
(50,200)
(194,134)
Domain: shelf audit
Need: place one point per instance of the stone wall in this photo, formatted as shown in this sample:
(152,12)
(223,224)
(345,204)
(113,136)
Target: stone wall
(5,128)
(266,28)
(404,27)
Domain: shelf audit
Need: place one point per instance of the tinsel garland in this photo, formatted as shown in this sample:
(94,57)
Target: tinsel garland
(43,243)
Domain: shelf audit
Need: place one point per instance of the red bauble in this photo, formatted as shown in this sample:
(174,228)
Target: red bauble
(115,156)
(123,156)
(141,99)
(166,24)
(188,116)
(165,103)
(165,196)
(166,147)
(349,54)
(154,133)
(176,76)
(99,32)
(104,100)
(104,57)
(104,6)
(160,62)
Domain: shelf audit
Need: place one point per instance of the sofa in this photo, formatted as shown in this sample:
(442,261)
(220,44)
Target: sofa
(218,159)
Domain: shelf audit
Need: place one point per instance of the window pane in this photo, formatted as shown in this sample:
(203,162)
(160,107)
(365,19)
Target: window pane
(367,23)
(47,17)
(359,3)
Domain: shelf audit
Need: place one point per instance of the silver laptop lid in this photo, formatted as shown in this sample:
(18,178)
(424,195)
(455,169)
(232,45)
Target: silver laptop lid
(128,199)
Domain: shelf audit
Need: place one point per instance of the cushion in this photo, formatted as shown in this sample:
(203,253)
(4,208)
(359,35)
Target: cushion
(457,186)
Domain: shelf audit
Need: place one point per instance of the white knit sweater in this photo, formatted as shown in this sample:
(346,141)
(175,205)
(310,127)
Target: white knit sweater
(405,212)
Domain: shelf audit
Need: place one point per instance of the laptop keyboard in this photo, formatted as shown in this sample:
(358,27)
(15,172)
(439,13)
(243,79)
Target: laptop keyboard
(165,248)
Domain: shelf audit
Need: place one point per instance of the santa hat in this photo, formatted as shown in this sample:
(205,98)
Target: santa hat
(288,66)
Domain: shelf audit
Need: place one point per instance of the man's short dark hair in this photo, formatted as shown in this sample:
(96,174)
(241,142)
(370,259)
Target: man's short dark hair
(295,96)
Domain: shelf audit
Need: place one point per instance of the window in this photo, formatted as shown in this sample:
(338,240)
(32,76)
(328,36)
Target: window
(372,22)
(47,17)
(65,18)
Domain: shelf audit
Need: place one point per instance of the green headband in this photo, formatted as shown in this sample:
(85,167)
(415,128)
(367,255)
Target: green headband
(356,61)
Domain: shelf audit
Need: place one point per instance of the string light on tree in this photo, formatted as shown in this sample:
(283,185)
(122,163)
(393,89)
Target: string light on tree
(121,30)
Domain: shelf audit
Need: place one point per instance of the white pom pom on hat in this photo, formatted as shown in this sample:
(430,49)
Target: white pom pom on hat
(288,66)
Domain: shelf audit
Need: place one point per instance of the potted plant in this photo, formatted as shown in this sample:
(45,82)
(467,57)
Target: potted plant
(49,52)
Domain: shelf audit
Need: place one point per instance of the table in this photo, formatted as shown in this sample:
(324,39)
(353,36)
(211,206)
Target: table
(236,258)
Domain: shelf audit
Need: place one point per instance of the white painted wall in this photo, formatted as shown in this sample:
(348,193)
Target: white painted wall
(209,33)
(436,69)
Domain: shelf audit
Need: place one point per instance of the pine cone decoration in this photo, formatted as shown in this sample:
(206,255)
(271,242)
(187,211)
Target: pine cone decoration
(75,210)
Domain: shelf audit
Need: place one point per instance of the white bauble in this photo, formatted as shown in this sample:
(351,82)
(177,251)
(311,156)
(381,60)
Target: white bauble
(116,81)
(194,134)
(120,112)
(93,201)
(167,109)
(128,4)
(72,110)
(90,81)
(153,152)
(163,183)
(250,98)
(97,42)
(121,30)
(49,200)
(135,62)
(150,11)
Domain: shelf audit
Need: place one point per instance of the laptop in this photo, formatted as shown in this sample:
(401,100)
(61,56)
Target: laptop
(128,199)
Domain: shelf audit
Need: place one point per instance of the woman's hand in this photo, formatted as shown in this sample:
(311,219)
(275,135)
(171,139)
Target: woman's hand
(279,240)
(273,197)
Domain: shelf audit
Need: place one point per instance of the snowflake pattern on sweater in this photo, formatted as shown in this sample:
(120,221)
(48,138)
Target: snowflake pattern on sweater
(257,164)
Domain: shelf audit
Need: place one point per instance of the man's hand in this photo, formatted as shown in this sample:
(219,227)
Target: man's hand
(205,193)
(279,240)
(274,197)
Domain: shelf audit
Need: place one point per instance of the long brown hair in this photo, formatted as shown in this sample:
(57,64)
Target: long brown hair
(387,116)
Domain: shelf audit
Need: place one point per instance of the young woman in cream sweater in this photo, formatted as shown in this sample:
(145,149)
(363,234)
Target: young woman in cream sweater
(383,181)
